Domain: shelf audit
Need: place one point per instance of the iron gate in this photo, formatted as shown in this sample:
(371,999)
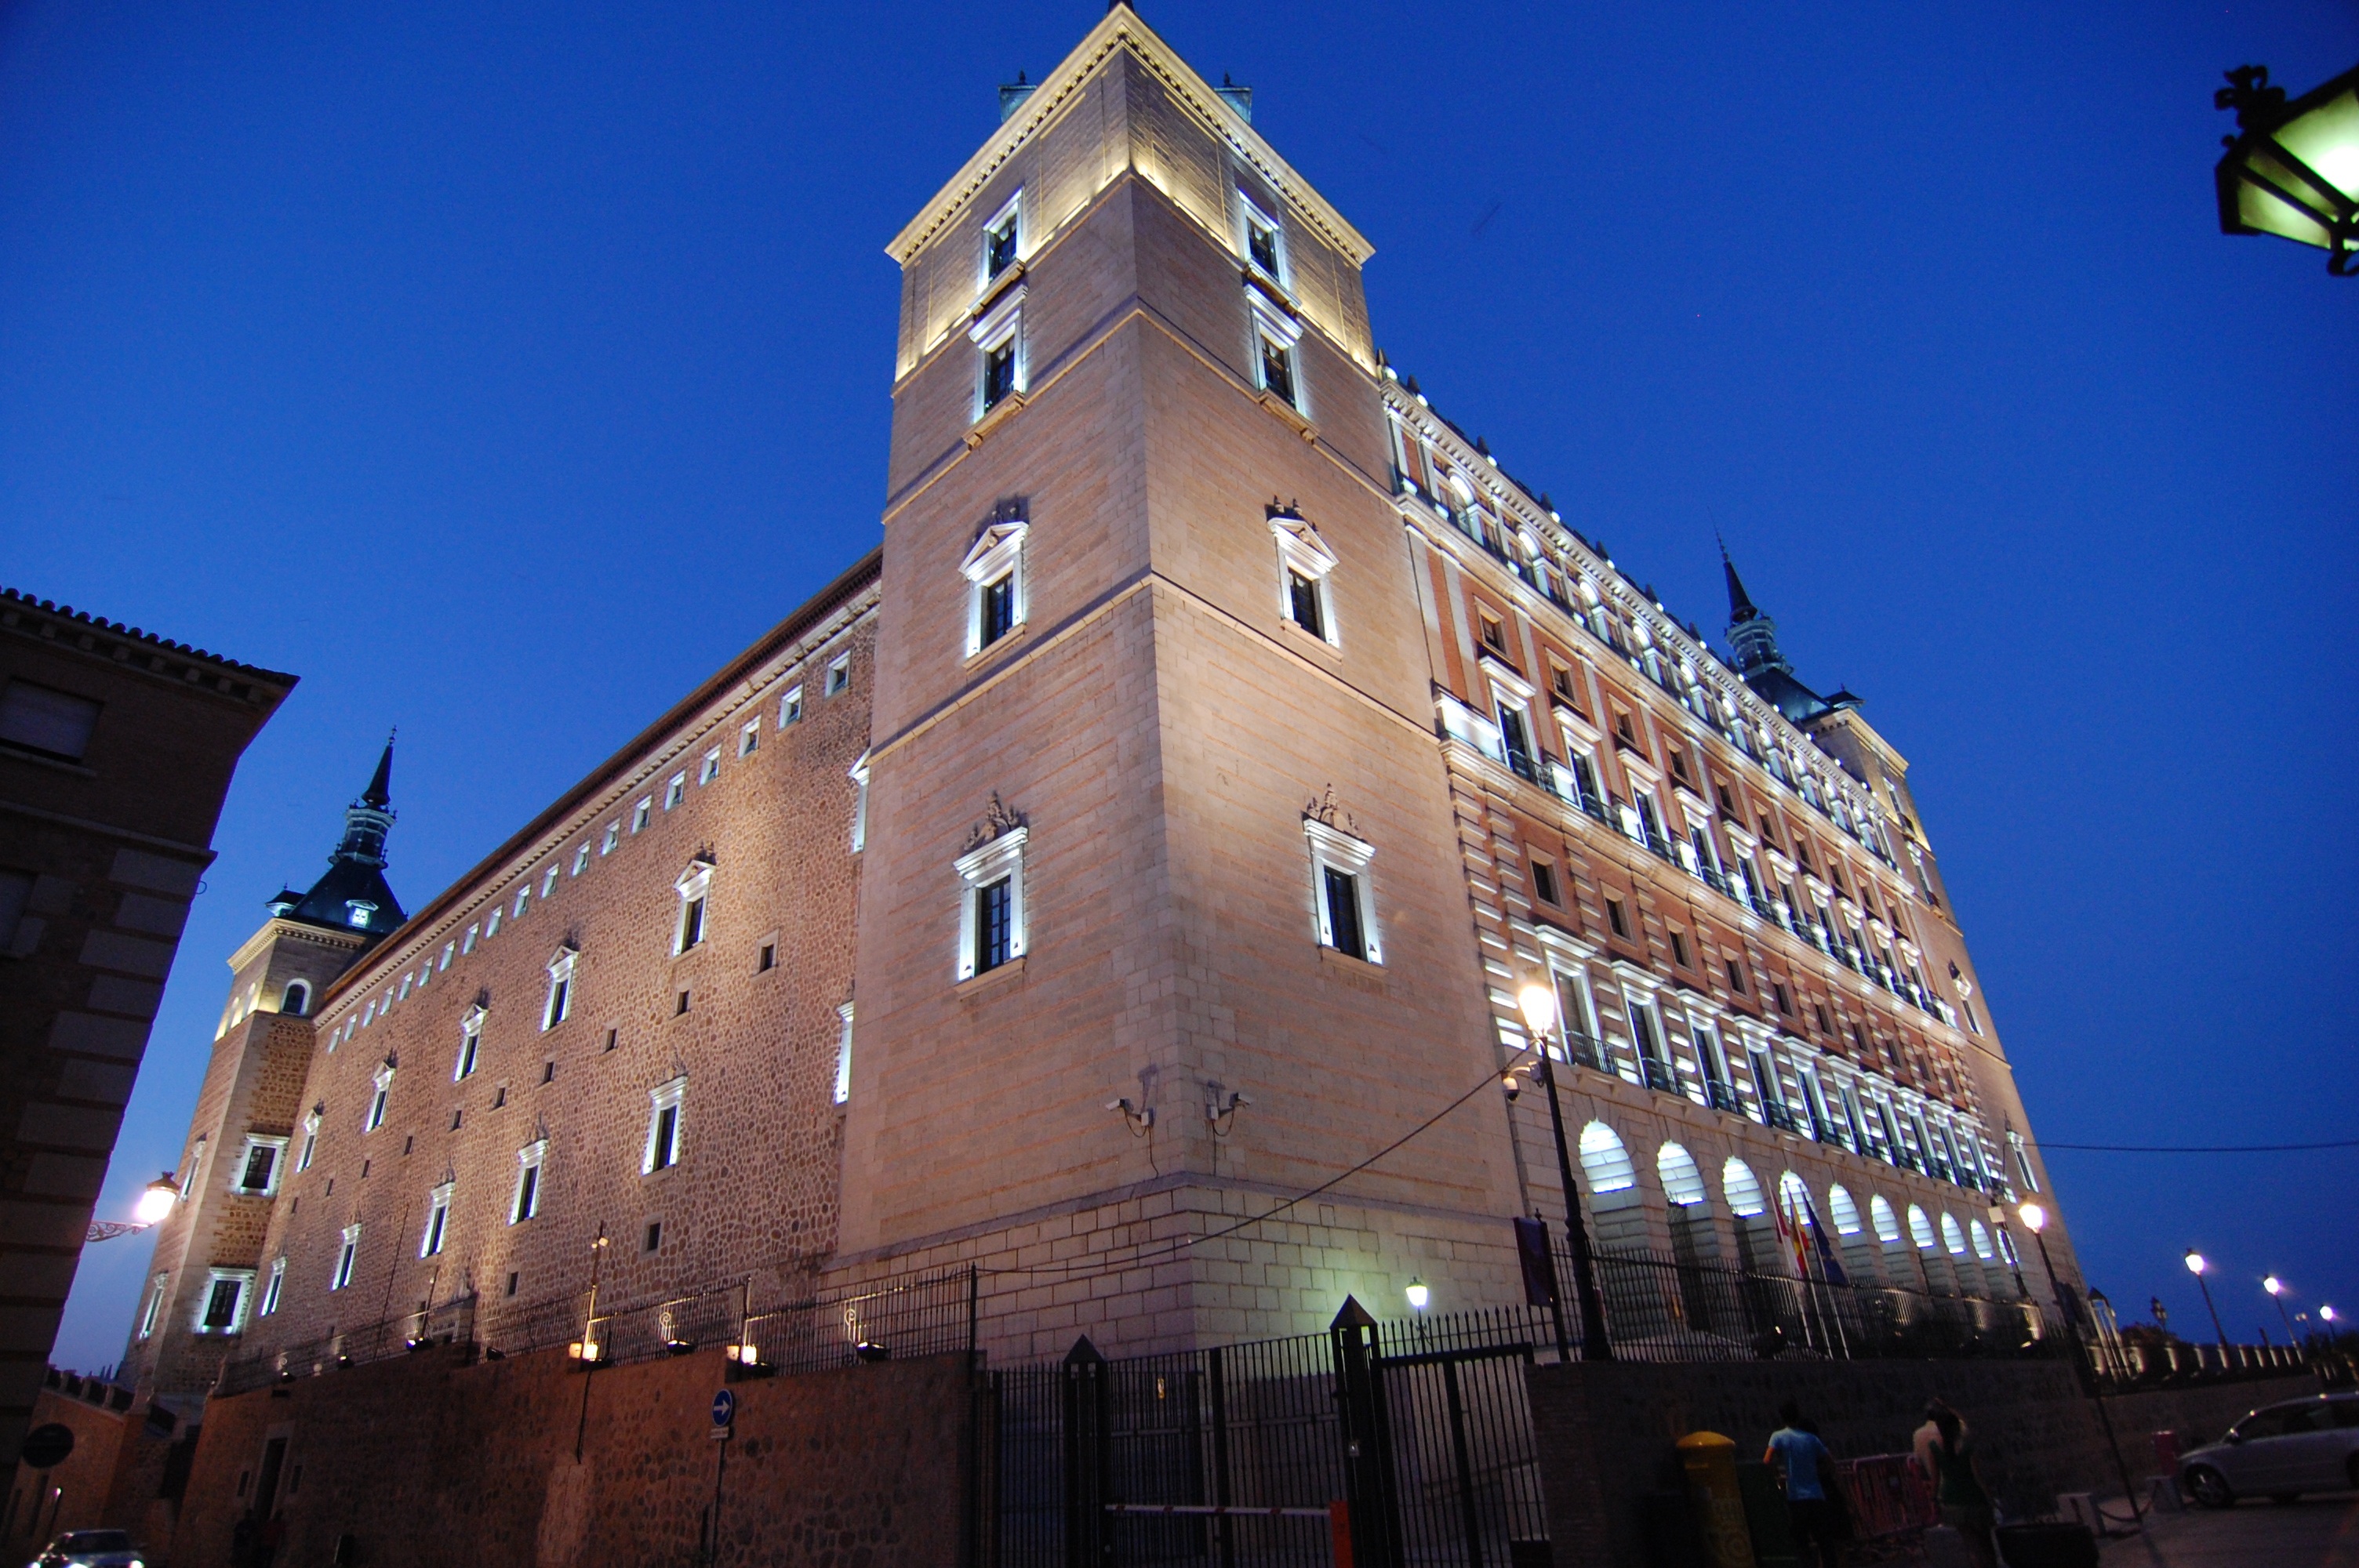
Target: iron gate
(1244,1456)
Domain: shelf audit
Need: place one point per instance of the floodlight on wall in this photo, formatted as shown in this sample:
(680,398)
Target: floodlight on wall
(2292,168)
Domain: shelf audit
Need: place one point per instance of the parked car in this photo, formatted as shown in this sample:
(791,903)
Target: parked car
(2280,1452)
(90,1548)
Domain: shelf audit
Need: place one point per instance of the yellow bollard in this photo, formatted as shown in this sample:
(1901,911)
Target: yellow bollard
(1710,1461)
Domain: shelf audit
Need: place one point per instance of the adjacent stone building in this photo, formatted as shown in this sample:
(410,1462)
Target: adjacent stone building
(117,749)
(1122,883)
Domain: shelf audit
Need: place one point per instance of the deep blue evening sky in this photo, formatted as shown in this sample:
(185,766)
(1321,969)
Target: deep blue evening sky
(501,369)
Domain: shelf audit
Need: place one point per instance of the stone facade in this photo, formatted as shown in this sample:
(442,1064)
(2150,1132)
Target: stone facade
(1189,613)
(117,749)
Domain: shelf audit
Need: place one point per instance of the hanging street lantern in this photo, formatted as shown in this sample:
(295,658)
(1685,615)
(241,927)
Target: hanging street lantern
(2292,168)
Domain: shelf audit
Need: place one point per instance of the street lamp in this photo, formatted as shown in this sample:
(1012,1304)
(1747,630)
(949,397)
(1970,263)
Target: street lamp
(2292,168)
(2198,1265)
(2276,1287)
(155,1201)
(1419,1293)
(2326,1315)
(1538,1003)
(2035,1219)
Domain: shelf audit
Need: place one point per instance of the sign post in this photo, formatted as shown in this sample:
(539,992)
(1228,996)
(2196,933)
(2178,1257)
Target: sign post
(724,1421)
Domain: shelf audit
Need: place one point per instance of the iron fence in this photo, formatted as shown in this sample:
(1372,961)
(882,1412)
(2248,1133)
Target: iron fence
(1243,1455)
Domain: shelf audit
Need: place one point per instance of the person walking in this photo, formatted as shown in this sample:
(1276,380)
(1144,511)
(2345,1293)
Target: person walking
(1804,1468)
(1945,1448)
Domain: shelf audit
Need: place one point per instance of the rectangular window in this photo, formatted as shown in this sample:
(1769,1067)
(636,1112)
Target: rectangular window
(1261,243)
(1515,740)
(310,1142)
(998,608)
(1278,369)
(1302,604)
(346,1255)
(450,950)
(527,1191)
(844,1056)
(468,945)
(998,373)
(438,1221)
(640,814)
(223,1296)
(471,1035)
(1679,950)
(691,923)
(710,769)
(582,858)
(663,1127)
(613,836)
(1616,919)
(560,997)
(839,675)
(53,723)
(999,243)
(675,791)
(270,1292)
(749,738)
(155,1307)
(790,708)
(1544,882)
(1777,994)
(261,1167)
(548,882)
(1494,635)
(375,1118)
(1343,912)
(993,928)
(523,901)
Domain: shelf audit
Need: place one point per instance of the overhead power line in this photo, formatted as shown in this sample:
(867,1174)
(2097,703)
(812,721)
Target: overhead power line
(2199,1148)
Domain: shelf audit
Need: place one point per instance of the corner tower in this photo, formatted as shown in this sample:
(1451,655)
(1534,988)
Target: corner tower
(1163,919)
(205,1281)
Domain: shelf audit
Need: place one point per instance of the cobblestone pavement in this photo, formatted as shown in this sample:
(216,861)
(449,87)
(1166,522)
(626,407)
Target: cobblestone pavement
(2316,1532)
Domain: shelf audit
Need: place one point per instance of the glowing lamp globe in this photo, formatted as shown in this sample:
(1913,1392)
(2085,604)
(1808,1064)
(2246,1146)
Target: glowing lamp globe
(2274,1285)
(2035,1218)
(1419,1294)
(2292,168)
(157,1201)
(1538,1003)
(2326,1315)
(2196,1261)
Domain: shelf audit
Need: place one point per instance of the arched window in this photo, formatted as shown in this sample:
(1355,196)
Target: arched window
(1920,1230)
(296,999)
(1887,1226)
(1604,1160)
(1982,1249)
(1954,1238)
(1842,1211)
(1738,1186)
(1794,1198)
(1682,1182)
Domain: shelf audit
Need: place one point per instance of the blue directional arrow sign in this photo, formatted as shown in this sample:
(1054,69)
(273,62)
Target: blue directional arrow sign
(724,1408)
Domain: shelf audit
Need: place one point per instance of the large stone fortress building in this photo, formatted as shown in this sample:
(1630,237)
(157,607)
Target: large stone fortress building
(1160,828)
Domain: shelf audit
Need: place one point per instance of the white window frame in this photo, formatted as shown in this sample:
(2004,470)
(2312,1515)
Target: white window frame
(1249,216)
(790,705)
(675,790)
(470,1045)
(532,1162)
(859,777)
(467,943)
(843,1092)
(997,552)
(1302,552)
(157,1289)
(214,1279)
(436,1233)
(347,1257)
(1270,320)
(559,1006)
(1009,216)
(839,675)
(749,736)
(379,1101)
(548,882)
(695,890)
(278,1146)
(642,814)
(613,836)
(310,1142)
(271,1288)
(581,858)
(978,868)
(1000,327)
(672,1095)
(286,996)
(491,929)
(1332,848)
(710,768)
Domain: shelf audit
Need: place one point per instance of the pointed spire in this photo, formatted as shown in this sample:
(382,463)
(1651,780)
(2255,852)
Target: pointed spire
(1741,607)
(380,793)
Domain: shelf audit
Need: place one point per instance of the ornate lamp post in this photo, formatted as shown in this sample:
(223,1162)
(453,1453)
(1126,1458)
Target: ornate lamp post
(155,1201)
(2198,1265)
(2292,168)
(1539,1005)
